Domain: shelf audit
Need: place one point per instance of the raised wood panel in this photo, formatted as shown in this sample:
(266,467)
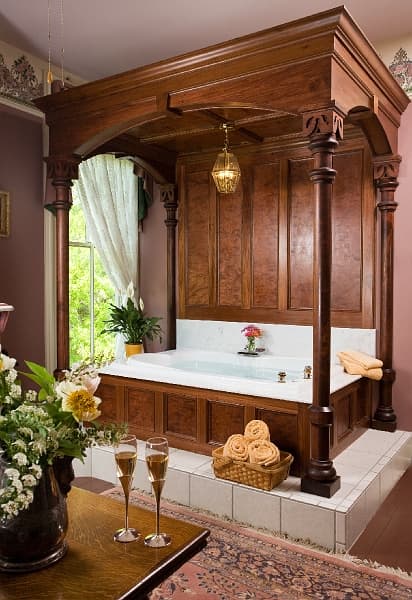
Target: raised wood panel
(347,232)
(181,415)
(229,244)
(300,201)
(223,421)
(111,406)
(140,409)
(284,432)
(342,420)
(197,218)
(265,235)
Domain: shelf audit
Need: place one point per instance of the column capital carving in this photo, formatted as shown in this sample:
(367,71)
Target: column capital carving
(169,198)
(386,170)
(62,169)
(167,192)
(328,121)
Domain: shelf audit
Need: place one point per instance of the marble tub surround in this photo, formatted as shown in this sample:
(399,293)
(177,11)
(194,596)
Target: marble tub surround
(294,341)
(229,372)
(369,470)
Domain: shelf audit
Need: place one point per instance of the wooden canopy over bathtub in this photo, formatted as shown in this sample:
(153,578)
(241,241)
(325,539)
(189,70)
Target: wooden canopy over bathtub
(310,82)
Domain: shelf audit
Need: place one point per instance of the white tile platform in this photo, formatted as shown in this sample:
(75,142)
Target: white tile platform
(369,469)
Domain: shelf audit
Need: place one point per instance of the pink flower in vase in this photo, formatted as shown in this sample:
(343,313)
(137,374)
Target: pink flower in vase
(251,332)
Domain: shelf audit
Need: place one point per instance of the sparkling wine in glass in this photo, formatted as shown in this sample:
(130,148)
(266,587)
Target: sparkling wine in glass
(125,454)
(157,456)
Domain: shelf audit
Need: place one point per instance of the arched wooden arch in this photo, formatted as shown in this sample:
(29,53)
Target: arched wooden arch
(305,81)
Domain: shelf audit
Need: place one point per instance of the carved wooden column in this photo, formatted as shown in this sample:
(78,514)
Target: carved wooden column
(169,198)
(323,128)
(386,171)
(61,171)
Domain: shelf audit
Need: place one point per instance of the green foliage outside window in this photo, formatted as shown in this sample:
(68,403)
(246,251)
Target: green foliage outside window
(81,343)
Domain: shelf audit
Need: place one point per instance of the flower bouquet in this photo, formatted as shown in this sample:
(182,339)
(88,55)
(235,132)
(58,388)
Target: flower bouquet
(39,427)
(252,332)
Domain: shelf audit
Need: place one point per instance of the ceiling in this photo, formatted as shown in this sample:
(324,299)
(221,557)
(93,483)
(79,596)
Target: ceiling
(104,37)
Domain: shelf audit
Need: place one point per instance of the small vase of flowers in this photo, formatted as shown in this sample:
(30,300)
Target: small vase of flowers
(252,333)
(40,433)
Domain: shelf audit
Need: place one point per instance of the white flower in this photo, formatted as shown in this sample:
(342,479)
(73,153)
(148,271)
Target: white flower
(31,395)
(26,431)
(78,400)
(12,473)
(37,470)
(6,363)
(15,390)
(29,480)
(130,291)
(20,444)
(20,458)
(16,483)
(11,376)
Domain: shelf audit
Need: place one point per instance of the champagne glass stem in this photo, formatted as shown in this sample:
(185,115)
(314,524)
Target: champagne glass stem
(157,516)
(126,513)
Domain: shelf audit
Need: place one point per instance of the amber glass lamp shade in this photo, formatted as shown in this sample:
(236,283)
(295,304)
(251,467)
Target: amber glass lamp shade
(226,172)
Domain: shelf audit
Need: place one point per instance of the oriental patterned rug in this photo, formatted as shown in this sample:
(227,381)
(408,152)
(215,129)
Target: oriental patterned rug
(240,563)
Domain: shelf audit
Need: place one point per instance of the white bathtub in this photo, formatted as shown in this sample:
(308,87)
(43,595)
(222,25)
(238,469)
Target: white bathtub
(250,375)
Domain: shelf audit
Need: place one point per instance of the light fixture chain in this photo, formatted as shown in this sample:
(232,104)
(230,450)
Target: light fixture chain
(62,41)
(49,71)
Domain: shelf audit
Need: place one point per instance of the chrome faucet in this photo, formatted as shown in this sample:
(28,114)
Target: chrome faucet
(307,372)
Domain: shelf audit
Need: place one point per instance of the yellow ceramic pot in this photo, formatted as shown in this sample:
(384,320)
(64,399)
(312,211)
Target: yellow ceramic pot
(131,349)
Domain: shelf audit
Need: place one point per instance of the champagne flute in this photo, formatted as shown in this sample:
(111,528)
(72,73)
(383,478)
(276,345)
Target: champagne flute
(157,456)
(125,454)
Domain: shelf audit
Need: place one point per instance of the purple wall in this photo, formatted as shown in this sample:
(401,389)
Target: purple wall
(402,352)
(22,260)
(153,263)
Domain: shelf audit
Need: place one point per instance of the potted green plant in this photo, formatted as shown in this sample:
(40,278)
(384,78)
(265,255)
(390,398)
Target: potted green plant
(133,324)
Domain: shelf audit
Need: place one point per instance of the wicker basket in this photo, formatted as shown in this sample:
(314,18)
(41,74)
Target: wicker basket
(263,478)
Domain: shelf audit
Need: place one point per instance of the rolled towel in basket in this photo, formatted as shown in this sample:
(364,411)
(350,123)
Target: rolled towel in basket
(264,453)
(257,430)
(236,447)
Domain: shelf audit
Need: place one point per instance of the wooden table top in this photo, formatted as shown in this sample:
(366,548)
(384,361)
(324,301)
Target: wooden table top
(97,568)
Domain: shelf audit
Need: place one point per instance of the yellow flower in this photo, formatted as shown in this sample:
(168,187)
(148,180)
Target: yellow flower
(79,401)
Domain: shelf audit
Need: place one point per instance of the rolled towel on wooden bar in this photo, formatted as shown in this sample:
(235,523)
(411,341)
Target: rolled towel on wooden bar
(364,360)
(354,367)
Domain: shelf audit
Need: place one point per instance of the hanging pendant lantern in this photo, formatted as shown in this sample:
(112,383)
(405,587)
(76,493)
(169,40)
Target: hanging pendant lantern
(226,170)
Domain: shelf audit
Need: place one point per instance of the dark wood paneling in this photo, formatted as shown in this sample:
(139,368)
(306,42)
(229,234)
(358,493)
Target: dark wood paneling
(197,419)
(347,232)
(300,201)
(229,243)
(224,420)
(180,416)
(255,247)
(265,230)
(197,215)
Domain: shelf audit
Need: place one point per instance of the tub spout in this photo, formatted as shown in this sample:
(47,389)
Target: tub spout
(282,377)
(307,372)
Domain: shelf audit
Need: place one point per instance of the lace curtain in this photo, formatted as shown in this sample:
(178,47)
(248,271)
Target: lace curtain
(108,191)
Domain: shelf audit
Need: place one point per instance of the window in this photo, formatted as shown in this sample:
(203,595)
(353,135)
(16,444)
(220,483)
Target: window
(89,295)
